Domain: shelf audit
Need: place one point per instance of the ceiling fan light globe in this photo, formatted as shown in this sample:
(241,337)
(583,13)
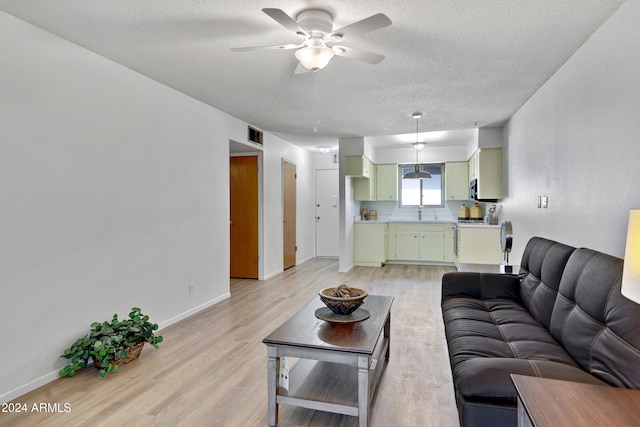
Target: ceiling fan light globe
(314,58)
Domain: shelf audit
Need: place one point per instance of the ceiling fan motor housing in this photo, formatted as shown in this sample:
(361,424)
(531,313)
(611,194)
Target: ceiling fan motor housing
(317,22)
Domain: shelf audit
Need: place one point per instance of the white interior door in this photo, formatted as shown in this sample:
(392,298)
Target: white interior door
(327,219)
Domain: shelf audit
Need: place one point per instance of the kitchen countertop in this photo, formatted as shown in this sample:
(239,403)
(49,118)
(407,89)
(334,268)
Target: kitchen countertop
(477,225)
(425,221)
(386,221)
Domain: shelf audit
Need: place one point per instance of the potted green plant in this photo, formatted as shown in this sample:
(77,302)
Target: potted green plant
(111,344)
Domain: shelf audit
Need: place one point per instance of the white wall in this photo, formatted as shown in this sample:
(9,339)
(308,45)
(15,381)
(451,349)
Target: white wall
(275,151)
(348,147)
(577,140)
(114,192)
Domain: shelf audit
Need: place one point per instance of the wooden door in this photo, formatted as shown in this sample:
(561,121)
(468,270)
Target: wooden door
(289,214)
(244,216)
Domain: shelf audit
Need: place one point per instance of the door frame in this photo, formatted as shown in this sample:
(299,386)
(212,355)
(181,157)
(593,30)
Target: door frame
(282,162)
(259,155)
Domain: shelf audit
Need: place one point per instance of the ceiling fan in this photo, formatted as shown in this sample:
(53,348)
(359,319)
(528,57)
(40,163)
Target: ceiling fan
(318,41)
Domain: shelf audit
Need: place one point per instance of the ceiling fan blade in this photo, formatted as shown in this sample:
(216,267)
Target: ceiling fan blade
(358,54)
(374,22)
(274,47)
(286,21)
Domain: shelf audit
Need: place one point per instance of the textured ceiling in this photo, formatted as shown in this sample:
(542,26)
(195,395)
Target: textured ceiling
(463,63)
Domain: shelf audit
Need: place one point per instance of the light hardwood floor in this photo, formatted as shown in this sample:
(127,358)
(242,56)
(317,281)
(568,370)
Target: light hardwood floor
(211,368)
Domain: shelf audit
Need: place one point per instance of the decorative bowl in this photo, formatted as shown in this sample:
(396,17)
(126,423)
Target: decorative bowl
(343,299)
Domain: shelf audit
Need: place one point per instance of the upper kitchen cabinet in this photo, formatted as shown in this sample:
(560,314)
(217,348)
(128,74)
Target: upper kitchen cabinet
(387,182)
(364,189)
(486,166)
(382,184)
(456,181)
(358,166)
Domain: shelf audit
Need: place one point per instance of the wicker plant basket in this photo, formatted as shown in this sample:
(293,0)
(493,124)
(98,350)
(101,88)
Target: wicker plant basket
(132,354)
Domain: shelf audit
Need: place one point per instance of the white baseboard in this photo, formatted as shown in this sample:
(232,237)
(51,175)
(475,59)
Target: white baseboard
(26,388)
(193,311)
(51,376)
(345,270)
(270,275)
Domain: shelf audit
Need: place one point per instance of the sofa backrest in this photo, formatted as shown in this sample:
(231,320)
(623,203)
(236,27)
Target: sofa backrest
(598,326)
(541,268)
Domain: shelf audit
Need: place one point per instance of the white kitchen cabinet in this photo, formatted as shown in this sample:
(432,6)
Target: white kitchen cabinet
(364,189)
(473,166)
(370,244)
(456,181)
(391,241)
(486,166)
(479,245)
(448,245)
(387,182)
(432,246)
(419,242)
(407,245)
(357,166)
(381,185)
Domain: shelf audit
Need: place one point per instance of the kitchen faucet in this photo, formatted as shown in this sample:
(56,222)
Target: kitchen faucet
(435,216)
(419,213)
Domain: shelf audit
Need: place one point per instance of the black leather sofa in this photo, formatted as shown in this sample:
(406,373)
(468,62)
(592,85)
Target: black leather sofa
(562,317)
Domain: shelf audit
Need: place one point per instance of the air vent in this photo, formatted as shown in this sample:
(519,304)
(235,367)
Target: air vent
(255,135)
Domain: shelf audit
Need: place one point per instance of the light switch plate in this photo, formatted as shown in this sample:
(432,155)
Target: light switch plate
(539,202)
(545,202)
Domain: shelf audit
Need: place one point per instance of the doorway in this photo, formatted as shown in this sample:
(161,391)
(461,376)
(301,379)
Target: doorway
(243,182)
(327,217)
(289,214)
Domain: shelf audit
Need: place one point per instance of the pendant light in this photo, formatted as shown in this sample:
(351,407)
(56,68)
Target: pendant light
(417,173)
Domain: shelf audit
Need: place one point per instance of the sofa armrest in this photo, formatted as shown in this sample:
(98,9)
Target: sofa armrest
(480,286)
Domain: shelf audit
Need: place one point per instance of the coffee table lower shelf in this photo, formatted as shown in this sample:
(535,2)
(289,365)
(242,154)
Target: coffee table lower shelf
(327,386)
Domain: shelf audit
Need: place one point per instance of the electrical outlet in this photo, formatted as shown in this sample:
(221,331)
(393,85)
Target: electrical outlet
(545,202)
(283,381)
(192,288)
(539,202)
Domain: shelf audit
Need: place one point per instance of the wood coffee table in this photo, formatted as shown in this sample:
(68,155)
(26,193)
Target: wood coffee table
(339,367)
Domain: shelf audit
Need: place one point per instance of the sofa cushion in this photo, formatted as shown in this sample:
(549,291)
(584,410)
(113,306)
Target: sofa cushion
(542,264)
(594,322)
(489,379)
(497,329)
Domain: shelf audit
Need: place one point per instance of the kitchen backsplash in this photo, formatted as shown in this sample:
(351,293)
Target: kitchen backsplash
(391,211)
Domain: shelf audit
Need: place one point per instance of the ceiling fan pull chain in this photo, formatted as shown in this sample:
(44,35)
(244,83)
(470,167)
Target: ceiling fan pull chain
(315,76)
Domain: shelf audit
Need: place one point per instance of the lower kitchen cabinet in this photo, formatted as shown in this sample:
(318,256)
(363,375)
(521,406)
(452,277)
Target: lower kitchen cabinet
(407,245)
(479,245)
(370,244)
(419,242)
(376,243)
(431,246)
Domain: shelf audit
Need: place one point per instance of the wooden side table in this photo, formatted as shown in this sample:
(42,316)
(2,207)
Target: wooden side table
(544,402)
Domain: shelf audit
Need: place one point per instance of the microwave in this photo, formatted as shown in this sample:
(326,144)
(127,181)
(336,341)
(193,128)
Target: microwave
(474,194)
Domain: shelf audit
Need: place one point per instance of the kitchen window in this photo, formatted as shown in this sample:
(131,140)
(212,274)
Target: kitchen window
(422,192)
